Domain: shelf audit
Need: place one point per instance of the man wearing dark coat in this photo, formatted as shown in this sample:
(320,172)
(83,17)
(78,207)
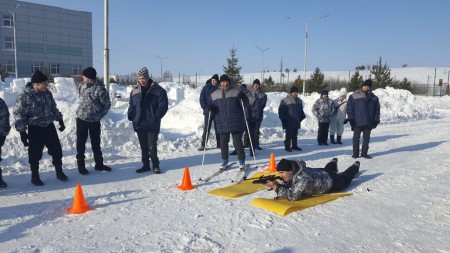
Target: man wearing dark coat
(363,112)
(291,115)
(148,105)
(205,100)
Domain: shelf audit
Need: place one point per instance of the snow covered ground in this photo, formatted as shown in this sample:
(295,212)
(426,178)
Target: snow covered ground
(400,202)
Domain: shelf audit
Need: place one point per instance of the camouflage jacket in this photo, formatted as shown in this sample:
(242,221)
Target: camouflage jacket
(323,109)
(4,119)
(94,101)
(35,108)
(305,182)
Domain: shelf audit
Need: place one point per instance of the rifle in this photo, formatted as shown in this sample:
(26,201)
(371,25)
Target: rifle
(264,179)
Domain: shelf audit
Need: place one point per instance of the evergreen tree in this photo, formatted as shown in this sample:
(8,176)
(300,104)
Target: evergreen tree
(232,70)
(3,73)
(381,75)
(315,83)
(269,81)
(298,81)
(405,84)
(355,81)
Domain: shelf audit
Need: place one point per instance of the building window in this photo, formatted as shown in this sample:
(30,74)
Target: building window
(37,66)
(9,43)
(9,66)
(54,69)
(76,70)
(8,20)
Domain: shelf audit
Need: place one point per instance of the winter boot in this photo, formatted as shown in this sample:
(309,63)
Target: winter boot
(332,139)
(224,164)
(364,151)
(2,183)
(82,167)
(202,148)
(144,168)
(287,146)
(339,138)
(60,174)
(156,170)
(35,179)
(242,165)
(102,167)
(355,150)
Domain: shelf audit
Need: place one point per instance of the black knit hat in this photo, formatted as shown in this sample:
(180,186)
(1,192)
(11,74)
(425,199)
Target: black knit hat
(294,89)
(324,92)
(224,77)
(90,73)
(285,165)
(368,82)
(256,81)
(38,77)
(144,73)
(215,77)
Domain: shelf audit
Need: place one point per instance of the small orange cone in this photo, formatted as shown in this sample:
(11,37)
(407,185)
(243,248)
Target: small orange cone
(186,182)
(272,164)
(79,204)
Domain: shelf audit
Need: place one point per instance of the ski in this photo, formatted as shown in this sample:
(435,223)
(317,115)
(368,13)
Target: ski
(240,176)
(220,171)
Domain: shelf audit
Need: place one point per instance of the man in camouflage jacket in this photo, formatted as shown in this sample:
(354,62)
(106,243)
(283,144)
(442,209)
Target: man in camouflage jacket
(4,131)
(323,110)
(36,108)
(299,180)
(94,105)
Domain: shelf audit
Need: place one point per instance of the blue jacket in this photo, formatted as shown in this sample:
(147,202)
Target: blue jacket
(205,96)
(228,109)
(363,109)
(147,107)
(258,101)
(291,112)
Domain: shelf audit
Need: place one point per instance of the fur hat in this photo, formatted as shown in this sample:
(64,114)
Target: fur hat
(286,165)
(215,77)
(324,92)
(90,73)
(144,73)
(38,77)
(293,89)
(343,93)
(224,77)
(368,82)
(256,81)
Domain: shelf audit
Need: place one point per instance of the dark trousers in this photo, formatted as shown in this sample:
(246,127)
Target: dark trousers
(40,137)
(2,141)
(322,134)
(340,180)
(237,143)
(93,130)
(254,134)
(207,130)
(291,138)
(149,148)
(366,139)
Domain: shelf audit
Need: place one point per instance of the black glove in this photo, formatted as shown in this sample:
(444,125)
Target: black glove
(375,125)
(345,121)
(284,124)
(61,125)
(24,138)
(212,108)
(352,122)
(241,95)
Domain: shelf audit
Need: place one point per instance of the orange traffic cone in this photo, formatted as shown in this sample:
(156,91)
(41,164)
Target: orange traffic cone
(79,204)
(186,182)
(272,164)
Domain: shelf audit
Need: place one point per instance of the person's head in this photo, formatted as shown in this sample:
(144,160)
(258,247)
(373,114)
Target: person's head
(256,85)
(143,77)
(324,94)
(342,95)
(294,91)
(215,79)
(285,169)
(39,81)
(89,75)
(224,81)
(367,85)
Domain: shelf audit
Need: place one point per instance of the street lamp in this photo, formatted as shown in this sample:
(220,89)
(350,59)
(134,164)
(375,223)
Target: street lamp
(306,49)
(162,59)
(15,40)
(262,62)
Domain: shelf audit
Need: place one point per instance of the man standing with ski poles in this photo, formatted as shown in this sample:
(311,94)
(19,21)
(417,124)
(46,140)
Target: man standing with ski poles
(227,104)
(205,101)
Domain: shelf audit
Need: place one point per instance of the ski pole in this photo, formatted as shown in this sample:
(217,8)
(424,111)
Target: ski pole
(249,135)
(206,141)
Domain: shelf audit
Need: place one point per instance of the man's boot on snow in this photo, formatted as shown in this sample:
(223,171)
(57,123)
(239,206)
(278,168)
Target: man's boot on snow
(60,174)
(355,150)
(102,167)
(332,141)
(2,183)
(82,167)
(144,168)
(339,139)
(364,151)
(35,179)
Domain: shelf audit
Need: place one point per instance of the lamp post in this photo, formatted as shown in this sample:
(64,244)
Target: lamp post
(106,44)
(162,59)
(15,40)
(306,49)
(262,61)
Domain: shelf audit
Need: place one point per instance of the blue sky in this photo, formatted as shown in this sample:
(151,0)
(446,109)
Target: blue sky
(197,35)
